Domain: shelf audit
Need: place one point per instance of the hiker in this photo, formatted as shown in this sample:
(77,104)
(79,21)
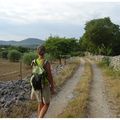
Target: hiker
(47,88)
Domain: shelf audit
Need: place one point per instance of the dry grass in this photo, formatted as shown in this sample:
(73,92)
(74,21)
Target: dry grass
(67,72)
(77,107)
(8,67)
(112,80)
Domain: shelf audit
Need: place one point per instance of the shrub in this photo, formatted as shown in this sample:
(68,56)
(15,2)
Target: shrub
(106,61)
(4,54)
(14,55)
(28,57)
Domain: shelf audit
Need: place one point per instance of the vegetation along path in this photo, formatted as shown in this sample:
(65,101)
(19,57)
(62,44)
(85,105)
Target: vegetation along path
(98,104)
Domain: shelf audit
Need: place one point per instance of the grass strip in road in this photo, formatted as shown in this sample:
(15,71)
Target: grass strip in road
(77,107)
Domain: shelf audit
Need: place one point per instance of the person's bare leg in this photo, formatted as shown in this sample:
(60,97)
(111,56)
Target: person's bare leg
(40,106)
(43,110)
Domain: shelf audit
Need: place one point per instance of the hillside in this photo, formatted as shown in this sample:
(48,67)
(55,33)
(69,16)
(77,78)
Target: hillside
(29,42)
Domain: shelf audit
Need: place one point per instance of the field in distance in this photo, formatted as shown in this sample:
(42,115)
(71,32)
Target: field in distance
(11,70)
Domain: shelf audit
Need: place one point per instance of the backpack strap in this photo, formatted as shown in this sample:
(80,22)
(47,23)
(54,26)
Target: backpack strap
(45,62)
(35,62)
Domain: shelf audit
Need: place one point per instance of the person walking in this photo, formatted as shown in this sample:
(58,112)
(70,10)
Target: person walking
(43,95)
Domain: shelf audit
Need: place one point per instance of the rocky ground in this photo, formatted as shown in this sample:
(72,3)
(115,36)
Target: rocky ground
(18,92)
(13,92)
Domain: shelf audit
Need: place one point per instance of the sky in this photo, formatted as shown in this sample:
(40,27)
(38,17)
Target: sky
(21,19)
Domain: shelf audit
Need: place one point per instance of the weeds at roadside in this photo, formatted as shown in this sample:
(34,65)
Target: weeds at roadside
(112,80)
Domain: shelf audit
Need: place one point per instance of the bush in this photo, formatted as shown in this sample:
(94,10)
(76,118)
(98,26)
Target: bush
(77,53)
(106,61)
(28,57)
(14,55)
(4,54)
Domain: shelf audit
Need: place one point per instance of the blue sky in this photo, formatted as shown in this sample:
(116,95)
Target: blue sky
(20,19)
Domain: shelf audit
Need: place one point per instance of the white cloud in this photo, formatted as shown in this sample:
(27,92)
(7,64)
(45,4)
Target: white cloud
(42,17)
(31,11)
(63,11)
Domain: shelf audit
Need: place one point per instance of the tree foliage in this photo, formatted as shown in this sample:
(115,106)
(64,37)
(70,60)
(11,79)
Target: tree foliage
(10,47)
(28,57)
(101,37)
(4,54)
(14,55)
(57,46)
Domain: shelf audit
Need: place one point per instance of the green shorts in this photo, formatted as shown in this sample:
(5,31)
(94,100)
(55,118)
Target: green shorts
(46,95)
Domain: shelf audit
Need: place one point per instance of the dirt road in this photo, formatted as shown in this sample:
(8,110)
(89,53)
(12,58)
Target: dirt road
(60,101)
(98,105)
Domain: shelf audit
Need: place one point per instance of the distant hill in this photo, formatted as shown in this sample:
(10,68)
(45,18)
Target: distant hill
(29,42)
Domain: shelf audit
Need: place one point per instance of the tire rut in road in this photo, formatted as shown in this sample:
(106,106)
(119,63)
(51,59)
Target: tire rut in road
(98,104)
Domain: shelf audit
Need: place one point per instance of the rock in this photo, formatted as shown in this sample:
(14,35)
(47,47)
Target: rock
(114,62)
(8,104)
(13,93)
(18,102)
(2,100)
(1,93)
(6,110)
(2,105)
(14,99)
(22,98)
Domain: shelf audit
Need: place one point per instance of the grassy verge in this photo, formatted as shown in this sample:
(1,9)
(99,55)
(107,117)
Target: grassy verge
(77,107)
(67,72)
(27,108)
(112,80)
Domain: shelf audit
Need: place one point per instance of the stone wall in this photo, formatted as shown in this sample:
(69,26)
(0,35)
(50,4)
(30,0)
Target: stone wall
(114,62)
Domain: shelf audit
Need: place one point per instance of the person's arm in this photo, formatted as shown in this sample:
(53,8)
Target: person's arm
(49,76)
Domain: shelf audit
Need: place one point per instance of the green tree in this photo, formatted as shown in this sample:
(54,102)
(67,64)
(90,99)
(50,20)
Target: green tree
(4,54)
(22,49)
(28,57)
(14,55)
(58,46)
(101,34)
